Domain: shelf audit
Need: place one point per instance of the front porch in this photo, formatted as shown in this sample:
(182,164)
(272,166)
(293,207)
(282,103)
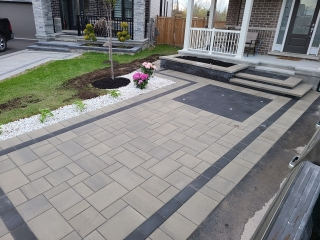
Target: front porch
(279,26)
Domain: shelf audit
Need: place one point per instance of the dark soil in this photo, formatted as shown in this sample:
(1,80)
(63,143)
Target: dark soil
(109,83)
(19,102)
(208,61)
(83,83)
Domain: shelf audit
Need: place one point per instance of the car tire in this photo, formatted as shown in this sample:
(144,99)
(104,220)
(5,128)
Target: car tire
(3,43)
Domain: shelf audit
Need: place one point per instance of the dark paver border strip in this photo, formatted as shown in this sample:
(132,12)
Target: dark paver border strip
(160,216)
(93,119)
(13,221)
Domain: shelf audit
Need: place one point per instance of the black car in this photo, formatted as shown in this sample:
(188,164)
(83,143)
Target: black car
(295,211)
(5,33)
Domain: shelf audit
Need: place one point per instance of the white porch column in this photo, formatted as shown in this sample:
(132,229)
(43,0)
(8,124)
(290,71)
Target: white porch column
(244,28)
(188,24)
(211,14)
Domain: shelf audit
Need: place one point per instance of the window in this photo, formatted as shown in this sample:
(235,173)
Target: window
(123,9)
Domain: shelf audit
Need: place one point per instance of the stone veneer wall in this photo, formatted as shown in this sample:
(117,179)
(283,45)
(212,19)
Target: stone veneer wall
(264,19)
(138,19)
(43,19)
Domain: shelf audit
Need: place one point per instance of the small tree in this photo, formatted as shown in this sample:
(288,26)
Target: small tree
(89,33)
(109,5)
(123,35)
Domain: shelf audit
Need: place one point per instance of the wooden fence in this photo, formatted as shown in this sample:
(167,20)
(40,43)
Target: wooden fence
(171,29)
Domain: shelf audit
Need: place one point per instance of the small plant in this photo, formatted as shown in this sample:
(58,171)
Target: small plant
(79,105)
(114,93)
(89,33)
(44,113)
(123,35)
(148,68)
(140,80)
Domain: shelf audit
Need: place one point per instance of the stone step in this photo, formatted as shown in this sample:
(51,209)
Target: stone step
(290,82)
(50,49)
(275,70)
(57,44)
(297,92)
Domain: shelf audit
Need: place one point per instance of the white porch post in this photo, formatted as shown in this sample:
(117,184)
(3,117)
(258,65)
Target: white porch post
(211,14)
(244,28)
(188,24)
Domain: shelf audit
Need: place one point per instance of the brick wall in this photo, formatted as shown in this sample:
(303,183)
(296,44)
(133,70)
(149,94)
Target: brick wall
(265,14)
(55,6)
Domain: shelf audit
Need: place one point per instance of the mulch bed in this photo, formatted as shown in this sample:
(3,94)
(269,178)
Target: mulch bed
(109,83)
(208,61)
(289,58)
(83,83)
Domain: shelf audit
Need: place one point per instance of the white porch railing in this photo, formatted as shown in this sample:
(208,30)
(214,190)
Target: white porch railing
(214,40)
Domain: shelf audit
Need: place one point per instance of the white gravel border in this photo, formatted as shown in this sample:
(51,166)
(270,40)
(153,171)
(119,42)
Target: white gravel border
(32,123)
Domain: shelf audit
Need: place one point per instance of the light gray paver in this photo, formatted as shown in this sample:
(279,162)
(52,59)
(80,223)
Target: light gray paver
(106,196)
(220,185)
(194,144)
(40,174)
(83,189)
(117,141)
(17,197)
(143,172)
(50,226)
(79,178)
(22,156)
(142,201)
(34,207)
(129,159)
(189,172)
(6,165)
(178,179)
(211,193)
(197,207)
(56,190)
(8,236)
(188,161)
(165,129)
(59,176)
(127,178)
(178,227)
(87,221)
(72,236)
(70,148)
(35,188)
(155,185)
(59,162)
(112,168)
(32,167)
(3,229)
(44,150)
(114,208)
(74,168)
(143,144)
(97,181)
(233,172)
(9,183)
(99,149)
(95,235)
(158,234)
(160,153)
(91,164)
(65,200)
(122,224)
(75,209)
(164,168)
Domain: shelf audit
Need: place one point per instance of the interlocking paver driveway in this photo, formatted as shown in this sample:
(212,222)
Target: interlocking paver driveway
(153,169)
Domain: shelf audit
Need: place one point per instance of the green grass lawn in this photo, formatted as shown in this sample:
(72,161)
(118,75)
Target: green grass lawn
(41,87)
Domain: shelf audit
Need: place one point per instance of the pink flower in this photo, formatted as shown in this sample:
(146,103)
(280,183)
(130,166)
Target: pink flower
(147,66)
(140,82)
(144,64)
(154,67)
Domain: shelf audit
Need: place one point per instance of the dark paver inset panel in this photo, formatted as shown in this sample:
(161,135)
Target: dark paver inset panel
(224,102)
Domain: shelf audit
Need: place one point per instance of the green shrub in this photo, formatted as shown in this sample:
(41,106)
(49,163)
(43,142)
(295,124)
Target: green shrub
(123,35)
(89,33)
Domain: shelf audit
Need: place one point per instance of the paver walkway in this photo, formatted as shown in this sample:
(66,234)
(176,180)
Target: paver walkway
(15,63)
(153,166)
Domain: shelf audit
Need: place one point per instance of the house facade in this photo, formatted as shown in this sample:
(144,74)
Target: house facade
(42,19)
(290,26)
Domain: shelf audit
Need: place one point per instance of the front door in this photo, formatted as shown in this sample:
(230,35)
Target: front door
(70,9)
(303,20)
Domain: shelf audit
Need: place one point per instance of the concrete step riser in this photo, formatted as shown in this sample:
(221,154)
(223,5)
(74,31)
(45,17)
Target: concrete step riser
(297,92)
(289,83)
